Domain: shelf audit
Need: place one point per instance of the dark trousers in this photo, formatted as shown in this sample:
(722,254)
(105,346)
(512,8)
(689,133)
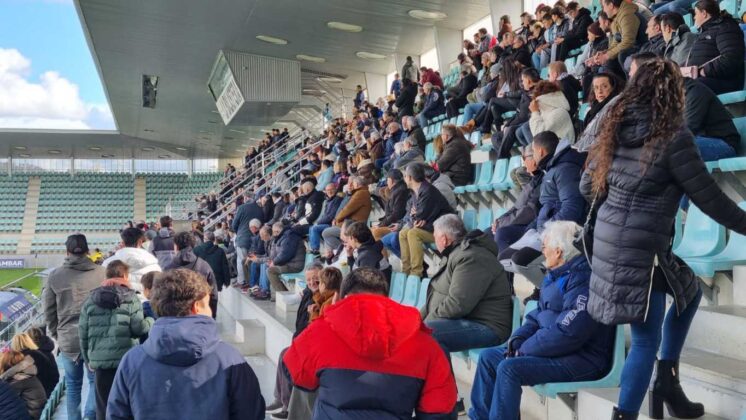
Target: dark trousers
(497,107)
(103,380)
(283,382)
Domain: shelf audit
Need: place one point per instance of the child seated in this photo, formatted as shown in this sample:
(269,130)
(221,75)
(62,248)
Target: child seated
(330,280)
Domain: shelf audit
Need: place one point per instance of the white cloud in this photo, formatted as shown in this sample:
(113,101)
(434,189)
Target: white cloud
(50,102)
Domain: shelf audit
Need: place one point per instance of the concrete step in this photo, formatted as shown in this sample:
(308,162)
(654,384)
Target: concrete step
(739,285)
(720,330)
(596,404)
(716,381)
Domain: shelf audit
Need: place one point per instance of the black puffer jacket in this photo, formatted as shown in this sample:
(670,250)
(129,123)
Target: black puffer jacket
(721,40)
(396,206)
(634,225)
(706,116)
(456,161)
(578,34)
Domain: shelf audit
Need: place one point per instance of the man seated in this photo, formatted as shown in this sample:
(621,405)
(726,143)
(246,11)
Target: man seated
(183,357)
(312,201)
(425,206)
(396,204)
(455,161)
(325,175)
(328,212)
(258,264)
(560,199)
(558,342)
(414,131)
(434,104)
(289,256)
(358,209)
(409,153)
(387,366)
(283,383)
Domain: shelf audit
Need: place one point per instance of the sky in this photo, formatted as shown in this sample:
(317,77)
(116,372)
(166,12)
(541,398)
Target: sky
(47,75)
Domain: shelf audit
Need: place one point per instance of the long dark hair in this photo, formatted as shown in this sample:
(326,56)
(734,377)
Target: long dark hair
(657,85)
(510,73)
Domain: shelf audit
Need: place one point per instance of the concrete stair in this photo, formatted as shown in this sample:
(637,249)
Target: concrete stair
(720,330)
(30,213)
(597,404)
(716,381)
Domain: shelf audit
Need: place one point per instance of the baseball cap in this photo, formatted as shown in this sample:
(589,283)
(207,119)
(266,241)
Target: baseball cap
(77,244)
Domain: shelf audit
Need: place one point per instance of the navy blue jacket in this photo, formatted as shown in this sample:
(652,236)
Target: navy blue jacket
(184,371)
(434,104)
(287,246)
(329,211)
(561,327)
(12,406)
(244,215)
(257,245)
(430,205)
(560,196)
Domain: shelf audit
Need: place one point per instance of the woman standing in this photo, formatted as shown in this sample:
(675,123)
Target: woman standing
(643,162)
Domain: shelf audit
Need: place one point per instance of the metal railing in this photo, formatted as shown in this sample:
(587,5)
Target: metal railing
(31,317)
(220,214)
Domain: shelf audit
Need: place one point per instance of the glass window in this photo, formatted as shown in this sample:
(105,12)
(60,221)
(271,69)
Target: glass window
(161,165)
(3,166)
(485,22)
(429,59)
(205,165)
(41,165)
(103,165)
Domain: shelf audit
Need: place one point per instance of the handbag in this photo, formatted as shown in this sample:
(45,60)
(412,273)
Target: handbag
(584,241)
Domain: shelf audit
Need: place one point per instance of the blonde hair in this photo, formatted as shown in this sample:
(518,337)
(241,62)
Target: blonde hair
(23,341)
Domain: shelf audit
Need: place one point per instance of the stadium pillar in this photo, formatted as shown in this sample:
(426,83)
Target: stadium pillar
(376,85)
(512,8)
(448,46)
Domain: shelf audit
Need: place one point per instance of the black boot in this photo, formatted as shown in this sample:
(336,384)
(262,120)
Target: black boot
(667,389)
(618,414)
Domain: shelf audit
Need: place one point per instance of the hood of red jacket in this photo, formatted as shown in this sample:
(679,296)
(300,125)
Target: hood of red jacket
(373,326)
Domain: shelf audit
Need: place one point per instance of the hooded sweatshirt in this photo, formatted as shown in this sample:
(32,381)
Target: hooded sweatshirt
(67,287)
(370,357)
(554,116)
(139,262)
(184,371)
(163,247)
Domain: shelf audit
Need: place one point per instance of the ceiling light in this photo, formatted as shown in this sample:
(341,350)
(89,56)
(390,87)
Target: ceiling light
(329,79)
(272,40)
(19,147)
(311,58)
(164,156)
(94,148)
(369,55)
(107,156)
(147,149)
(215,112)
(25,155)
(427,15)
(182,148)
(347,27)
(54,151)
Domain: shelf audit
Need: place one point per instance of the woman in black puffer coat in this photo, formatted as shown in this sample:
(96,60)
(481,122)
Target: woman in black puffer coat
(718,51)
(643,162)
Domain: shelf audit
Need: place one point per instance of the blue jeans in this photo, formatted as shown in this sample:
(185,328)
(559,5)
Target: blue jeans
(380,162)
(678,6)
(462,334)
(646,338)
(713,149)
(241,254)
(314,236)
(524,135)
(421,120)
(253,274)
(472,110)
(536,60)
(391,242)
(74,371)
(496,393)
(263,278)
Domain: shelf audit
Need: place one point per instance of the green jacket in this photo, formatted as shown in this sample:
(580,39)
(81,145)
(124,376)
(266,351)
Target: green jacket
(624,27)
(111,322)
(471,285)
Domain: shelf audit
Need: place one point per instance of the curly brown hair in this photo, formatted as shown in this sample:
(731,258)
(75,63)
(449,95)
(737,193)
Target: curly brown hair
(658,88)
(544,87)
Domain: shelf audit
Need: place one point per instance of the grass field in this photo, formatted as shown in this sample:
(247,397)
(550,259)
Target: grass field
(32,283)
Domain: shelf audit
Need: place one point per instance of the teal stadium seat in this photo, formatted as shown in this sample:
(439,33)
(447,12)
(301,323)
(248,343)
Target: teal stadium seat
(737,163)
(733,254)
(483,180)
(288,277)
(733,97)
(498,175)
(398,281)
(507,183)
(484,220)
(470,219)
(516,322)
(411,291)
(422,295)
(702,237)
(430,152)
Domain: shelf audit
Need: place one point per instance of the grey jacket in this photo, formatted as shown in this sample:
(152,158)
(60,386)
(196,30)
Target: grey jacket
(677,49)
(471,285)
(62,299)
(444,184)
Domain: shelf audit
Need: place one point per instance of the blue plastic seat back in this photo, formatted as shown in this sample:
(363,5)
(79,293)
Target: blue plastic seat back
(730,6)
(485,173)
(516,313)
(422,295)
(513,163)
(583,110)
(475,137)
(485,218)
(678,228)
(500,172)
(411,289)
(470,219)
(430,152)
(398,281)
(530,306)
(732,254)
(702,235)
(740,124)
(460,120)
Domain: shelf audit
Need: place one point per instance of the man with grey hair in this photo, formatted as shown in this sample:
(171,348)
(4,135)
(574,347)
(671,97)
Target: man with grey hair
(215,257)
(410,153)
(424,207)
(413,130)
(469,300)
(289,255)
(434,104)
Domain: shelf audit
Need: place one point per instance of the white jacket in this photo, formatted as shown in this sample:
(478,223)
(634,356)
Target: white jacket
(140,261)
(553,115)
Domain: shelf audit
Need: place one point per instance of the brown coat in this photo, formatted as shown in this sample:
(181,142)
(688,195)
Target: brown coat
(358,208)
